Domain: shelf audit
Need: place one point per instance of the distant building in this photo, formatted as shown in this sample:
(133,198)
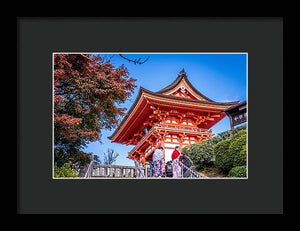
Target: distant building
(237,113)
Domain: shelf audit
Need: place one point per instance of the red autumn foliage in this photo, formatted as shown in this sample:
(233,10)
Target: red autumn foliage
(86,91)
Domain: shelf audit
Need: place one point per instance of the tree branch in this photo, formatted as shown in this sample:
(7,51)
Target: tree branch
(135,61)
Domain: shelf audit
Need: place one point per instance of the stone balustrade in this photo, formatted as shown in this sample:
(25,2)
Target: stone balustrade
(117,171)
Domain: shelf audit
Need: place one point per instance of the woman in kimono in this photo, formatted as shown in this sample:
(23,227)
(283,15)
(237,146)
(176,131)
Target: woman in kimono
(175,163)
(158,160)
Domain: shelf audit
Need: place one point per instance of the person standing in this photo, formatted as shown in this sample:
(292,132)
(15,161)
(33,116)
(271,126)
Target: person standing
(151,169)
(175,163)
(158,160)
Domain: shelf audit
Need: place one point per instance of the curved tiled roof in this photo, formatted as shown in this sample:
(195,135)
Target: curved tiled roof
(182,75)
(141,90)
(236,106)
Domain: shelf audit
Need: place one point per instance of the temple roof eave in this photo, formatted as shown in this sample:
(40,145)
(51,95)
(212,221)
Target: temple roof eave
(159,95)
(190,100)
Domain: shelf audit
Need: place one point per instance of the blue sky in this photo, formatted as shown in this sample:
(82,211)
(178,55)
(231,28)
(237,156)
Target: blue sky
(220,77)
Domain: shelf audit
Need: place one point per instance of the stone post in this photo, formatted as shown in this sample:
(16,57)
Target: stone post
(130,172)
(100,171)
(121,171)
(106,171)
(111,171)
(146,170)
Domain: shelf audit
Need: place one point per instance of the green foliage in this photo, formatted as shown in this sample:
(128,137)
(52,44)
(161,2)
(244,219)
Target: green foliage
(232,151)
(64,171)
(228,134)
(214,140)
(224,135)
(238,171)
(237,150)
(71,154)
(239,133)
(223,160)
(200,153)
(239,128)
(228,148)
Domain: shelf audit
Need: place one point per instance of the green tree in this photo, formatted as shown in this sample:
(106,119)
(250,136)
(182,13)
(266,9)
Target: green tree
(231,152)
(200,153)
(237,150)
(217,148)
(64,171)
(230,133)
(238,171)
(223,160)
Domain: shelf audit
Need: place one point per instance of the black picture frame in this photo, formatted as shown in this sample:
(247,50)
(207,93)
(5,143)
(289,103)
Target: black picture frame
(261,37)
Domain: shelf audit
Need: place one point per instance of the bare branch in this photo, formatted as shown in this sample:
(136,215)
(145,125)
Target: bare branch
(110,157)
(135,61)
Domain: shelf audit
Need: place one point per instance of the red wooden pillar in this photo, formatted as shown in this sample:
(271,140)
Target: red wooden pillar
(181,138)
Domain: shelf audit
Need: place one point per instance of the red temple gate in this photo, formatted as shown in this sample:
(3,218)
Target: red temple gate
(178,115)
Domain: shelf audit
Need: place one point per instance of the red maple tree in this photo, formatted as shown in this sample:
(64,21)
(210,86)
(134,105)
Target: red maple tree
(86,91)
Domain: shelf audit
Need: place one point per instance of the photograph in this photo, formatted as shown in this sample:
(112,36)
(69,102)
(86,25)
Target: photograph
(148,115)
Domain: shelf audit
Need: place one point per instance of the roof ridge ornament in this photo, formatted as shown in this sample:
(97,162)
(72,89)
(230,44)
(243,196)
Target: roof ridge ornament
(182,72)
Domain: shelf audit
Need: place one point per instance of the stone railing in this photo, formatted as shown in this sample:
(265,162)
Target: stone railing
(117,171)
